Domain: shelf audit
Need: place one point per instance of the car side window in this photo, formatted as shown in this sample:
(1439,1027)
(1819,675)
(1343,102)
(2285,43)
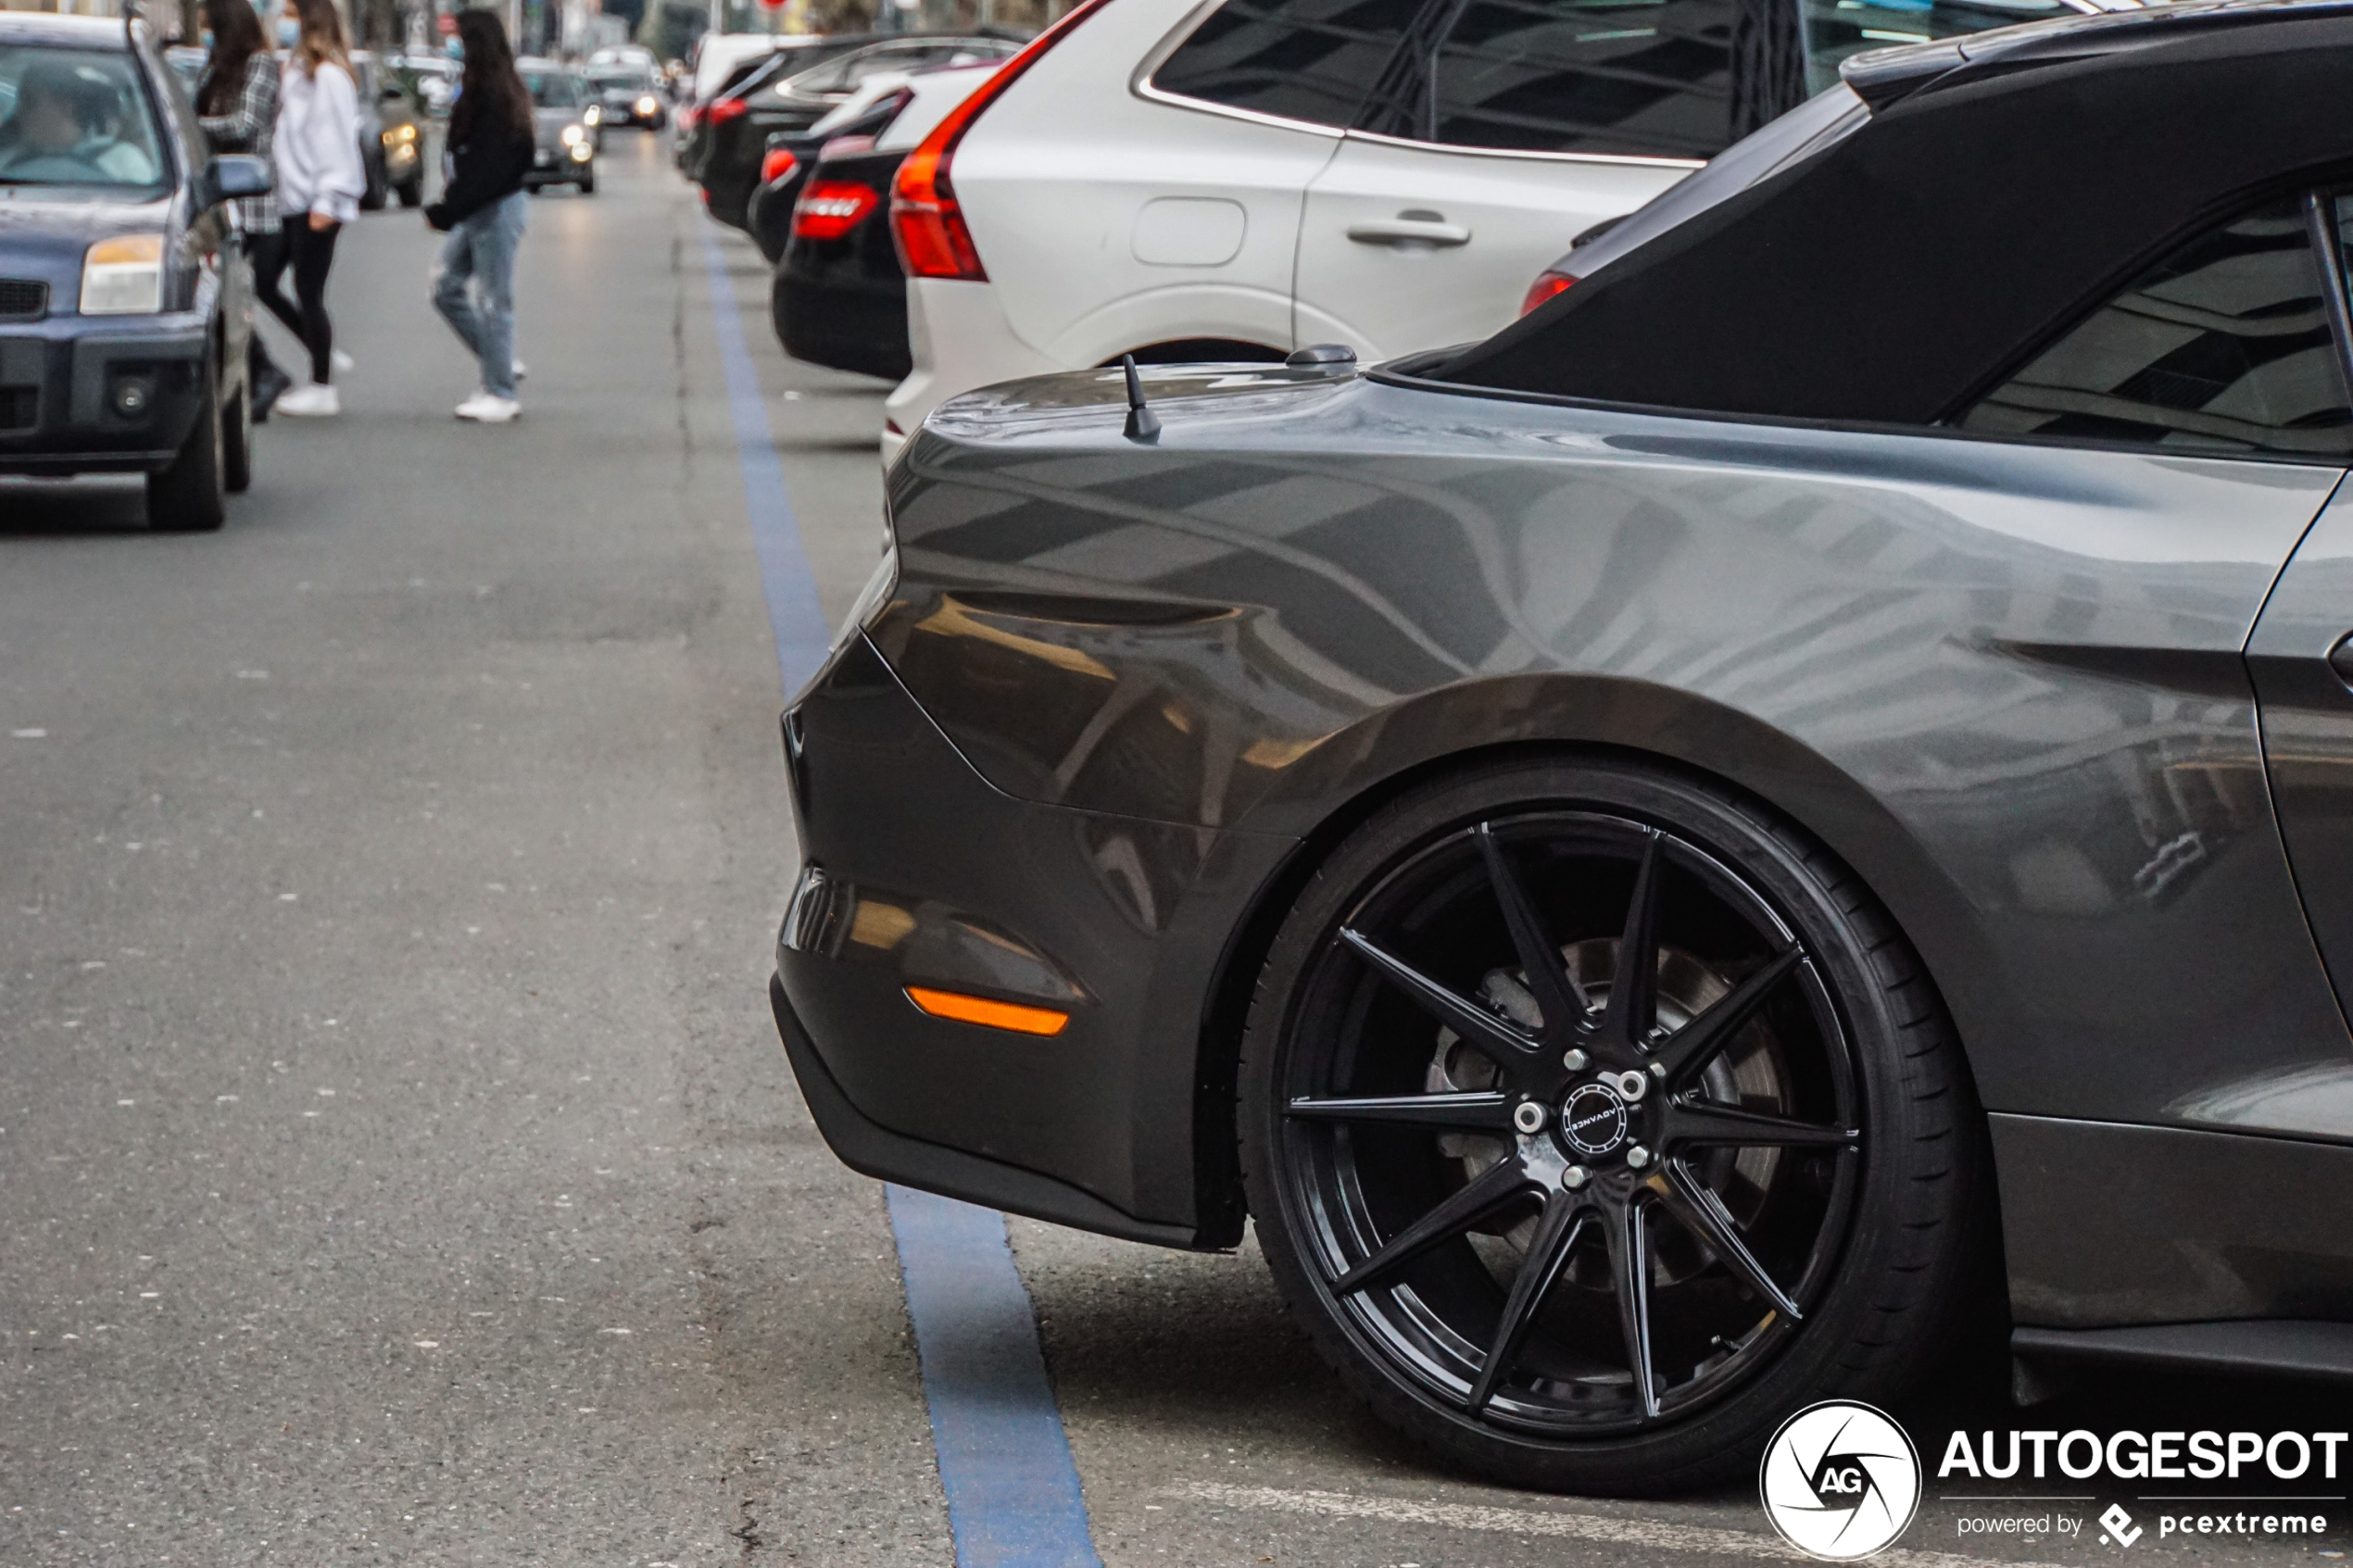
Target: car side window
(1313,60)
(1644,77)
(2223,347)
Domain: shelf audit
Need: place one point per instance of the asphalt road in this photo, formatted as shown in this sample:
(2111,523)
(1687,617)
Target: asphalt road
(396,1161)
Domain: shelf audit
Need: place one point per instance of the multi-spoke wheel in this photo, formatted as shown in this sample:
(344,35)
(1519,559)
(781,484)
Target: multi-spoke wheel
(1595,1121)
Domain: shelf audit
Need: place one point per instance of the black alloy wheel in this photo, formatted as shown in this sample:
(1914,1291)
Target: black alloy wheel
(1595,1121)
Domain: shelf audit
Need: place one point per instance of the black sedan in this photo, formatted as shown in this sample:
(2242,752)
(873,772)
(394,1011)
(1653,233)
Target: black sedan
(737,124)
(124,292)
(1771,829)
(625,96)
(785,168)
(840,297)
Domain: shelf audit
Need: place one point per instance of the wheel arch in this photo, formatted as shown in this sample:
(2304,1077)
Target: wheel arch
(1555,718)
(1201,350)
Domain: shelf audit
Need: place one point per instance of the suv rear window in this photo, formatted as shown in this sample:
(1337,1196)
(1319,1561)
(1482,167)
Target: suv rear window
(1313,60)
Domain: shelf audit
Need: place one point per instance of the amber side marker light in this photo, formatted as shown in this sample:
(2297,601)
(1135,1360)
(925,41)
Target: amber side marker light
(981,1010)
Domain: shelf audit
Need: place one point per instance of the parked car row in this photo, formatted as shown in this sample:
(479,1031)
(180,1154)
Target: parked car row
(1255,175)
(1774,829)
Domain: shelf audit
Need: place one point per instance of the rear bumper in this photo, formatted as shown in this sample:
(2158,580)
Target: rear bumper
(844,324)
(872,1149)
(932,877)
(63,382)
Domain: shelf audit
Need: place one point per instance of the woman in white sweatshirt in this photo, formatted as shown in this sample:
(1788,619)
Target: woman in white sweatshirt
(319,181)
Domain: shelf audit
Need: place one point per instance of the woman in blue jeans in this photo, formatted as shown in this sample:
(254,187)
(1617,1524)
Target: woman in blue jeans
(482,209)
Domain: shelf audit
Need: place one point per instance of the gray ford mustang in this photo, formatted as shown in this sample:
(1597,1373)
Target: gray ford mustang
(1791,809)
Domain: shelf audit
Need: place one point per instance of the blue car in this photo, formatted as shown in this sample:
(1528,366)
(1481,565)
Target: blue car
(125,294)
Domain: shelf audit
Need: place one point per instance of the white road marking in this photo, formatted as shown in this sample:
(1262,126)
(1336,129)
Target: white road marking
(1648,1534)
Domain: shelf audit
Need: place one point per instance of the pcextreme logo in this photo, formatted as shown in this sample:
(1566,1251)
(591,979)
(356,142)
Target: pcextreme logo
(1839,1481)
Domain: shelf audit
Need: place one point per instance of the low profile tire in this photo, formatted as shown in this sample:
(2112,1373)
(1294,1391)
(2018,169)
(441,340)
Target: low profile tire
(1595,1236)
(236,444)
(191,497)
(411,193)
(588,184)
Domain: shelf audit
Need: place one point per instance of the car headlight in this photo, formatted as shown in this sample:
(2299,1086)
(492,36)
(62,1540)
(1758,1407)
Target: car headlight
(401,133)
(582,152)
(123,276)
(647,105)
(592,114)
(574,134)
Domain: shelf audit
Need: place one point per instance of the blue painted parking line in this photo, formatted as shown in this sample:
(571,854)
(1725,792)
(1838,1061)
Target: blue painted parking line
(1013,1497)
(791,589)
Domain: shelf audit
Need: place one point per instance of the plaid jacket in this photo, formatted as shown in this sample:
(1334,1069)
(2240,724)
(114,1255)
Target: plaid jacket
(250,130)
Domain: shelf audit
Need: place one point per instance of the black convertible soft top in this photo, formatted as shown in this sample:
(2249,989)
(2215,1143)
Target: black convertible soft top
(2001,186)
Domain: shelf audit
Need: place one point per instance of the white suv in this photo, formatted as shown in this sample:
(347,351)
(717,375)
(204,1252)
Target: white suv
(1233,179)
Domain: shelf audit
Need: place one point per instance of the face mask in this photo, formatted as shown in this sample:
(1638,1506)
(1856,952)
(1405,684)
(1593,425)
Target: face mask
(204,38)
(289,32)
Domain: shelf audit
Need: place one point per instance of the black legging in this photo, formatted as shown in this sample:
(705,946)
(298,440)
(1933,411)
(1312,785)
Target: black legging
(312,251)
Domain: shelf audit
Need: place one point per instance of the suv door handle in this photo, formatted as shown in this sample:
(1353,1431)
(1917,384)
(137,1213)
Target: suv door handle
(1411,229)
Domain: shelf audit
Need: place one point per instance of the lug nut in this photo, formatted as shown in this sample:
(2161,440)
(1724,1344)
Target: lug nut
(1574,1176)
(1575,1062)
(1658,1069)
(1529,1117)
(1638,1156)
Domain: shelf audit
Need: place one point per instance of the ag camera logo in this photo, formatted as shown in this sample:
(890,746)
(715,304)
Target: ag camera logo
(1839,1481)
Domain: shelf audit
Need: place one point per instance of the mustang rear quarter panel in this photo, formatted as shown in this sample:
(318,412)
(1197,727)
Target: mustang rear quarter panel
(1127,919)
(2003,681)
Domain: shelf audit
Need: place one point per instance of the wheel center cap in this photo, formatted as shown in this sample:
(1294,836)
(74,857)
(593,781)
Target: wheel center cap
(1593,1120)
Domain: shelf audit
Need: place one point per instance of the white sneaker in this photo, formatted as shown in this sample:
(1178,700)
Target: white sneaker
(310,401)
(344,363)
(489,410)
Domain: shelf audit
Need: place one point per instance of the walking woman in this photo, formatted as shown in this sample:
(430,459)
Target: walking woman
(237,102)
(491,141)
(319,181)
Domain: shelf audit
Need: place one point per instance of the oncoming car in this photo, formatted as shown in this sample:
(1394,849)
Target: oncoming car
(1764,827)
(624,95)
(125,296)
(566,154)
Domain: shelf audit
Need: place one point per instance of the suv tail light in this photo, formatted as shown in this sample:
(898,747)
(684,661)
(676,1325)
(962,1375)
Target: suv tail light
(776,163)
(925,220)
(830,208)
(724,110)
(1547,285)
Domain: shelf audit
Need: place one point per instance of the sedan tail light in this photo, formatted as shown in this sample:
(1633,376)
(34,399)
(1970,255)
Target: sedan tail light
(726,109)
(830,208)
(776,164)
(927,225)
(1547,285)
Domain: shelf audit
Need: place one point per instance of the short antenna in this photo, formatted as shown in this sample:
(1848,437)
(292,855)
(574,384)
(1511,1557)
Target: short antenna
(1142,423)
